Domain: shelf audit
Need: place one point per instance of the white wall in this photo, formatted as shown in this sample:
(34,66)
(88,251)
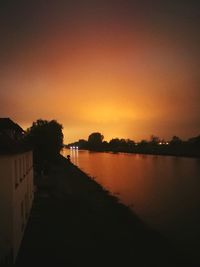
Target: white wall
(16,183)
(22,197)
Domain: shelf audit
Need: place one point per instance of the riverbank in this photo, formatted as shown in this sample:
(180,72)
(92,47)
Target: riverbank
(182,155)
(152,152)
(75,222)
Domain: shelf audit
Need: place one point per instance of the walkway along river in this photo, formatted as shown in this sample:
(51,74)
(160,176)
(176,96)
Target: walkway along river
(162,190)
(74,222)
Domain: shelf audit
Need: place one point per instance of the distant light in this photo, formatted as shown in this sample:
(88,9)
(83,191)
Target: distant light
(73,147)
(167,143)
(76,147)
(70,147)
(160,143)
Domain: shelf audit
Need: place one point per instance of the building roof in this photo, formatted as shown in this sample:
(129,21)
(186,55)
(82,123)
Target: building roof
(8,124)
(11,137)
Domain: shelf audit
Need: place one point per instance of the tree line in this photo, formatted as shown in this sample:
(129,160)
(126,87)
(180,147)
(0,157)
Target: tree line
(156,145)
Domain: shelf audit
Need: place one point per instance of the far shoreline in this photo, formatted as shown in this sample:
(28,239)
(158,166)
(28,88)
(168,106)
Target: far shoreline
(141,153)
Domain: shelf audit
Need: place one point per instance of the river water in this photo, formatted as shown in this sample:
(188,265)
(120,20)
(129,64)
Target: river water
(163,191)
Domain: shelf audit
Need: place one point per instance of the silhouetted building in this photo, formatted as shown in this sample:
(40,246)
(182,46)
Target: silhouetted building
(16,189)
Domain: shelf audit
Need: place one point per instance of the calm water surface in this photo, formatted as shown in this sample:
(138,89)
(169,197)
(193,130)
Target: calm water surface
(164,191)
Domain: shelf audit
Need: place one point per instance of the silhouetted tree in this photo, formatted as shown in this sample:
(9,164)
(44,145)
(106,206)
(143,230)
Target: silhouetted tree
(130,144)
(114,144)
(105,146)
(154,140)
(142,146)
(195,140)
(143,143)
(175,140)
(123,145)
(46,139)
(81,143)
(95,141)
(193,145)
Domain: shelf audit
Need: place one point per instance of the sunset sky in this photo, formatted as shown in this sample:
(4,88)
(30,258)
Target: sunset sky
(124,68)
